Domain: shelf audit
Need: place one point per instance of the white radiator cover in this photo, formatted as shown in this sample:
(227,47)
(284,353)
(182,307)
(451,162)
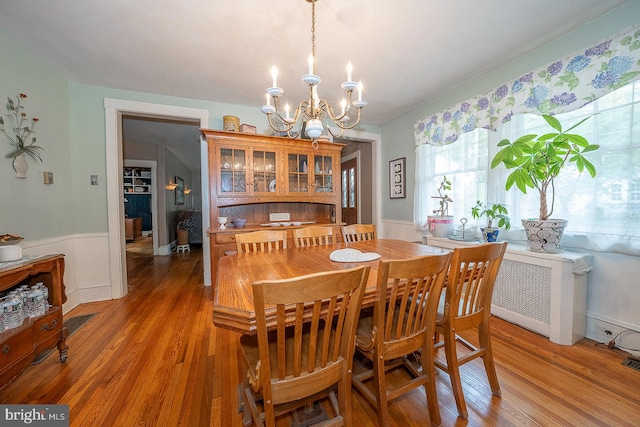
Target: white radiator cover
(546,293)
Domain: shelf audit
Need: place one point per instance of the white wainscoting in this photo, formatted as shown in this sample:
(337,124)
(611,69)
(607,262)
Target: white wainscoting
(86,275)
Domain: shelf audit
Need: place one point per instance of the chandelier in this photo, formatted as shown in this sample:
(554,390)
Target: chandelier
(311,113)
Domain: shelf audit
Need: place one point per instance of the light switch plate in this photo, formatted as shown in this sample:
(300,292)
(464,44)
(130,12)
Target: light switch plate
(281,216)
(47,177)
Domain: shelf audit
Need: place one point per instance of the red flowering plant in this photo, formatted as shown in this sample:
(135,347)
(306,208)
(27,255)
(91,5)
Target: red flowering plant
(18,128)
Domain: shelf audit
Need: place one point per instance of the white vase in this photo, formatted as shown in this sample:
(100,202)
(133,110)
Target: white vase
(544,235)
(20,165)
(440,226)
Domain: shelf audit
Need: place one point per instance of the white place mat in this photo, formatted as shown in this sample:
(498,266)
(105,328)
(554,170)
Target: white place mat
(352,255)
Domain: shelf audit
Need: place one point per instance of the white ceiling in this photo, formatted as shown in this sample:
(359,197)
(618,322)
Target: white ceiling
(405,52)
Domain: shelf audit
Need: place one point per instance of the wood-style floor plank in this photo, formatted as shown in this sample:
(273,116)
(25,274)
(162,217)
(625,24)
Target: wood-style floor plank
(152,358)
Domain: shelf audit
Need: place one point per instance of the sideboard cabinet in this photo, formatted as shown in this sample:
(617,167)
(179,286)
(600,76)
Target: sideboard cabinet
(256,176)
(20,345)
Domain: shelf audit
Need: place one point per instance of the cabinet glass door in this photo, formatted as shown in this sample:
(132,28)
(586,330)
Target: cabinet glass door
(323,173)
(264,171)
(233,170)
(298,172)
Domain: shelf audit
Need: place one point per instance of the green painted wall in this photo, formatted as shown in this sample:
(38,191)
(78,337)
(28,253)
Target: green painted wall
(397,136)
(27,206)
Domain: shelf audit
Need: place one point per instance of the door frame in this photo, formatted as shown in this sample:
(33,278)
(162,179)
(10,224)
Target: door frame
(114,110)
(376,156)
(344,159)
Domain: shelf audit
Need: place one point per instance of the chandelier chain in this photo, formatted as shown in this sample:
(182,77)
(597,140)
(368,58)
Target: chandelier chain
(313,32)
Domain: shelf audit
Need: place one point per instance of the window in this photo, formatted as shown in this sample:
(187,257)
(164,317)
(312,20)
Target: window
(605,210)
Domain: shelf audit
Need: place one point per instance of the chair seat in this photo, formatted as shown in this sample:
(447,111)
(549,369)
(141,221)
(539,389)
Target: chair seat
(251,354)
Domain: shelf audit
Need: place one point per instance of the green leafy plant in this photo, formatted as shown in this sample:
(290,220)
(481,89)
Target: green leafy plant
(538,160)
(443,210)
(496,211)
(18,128)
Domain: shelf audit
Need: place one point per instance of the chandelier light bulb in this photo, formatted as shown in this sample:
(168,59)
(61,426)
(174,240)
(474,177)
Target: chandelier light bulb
(360,91)
(349,70)
(274,75)
(310,60)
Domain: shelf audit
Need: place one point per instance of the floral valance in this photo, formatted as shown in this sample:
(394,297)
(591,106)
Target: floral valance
(561,86)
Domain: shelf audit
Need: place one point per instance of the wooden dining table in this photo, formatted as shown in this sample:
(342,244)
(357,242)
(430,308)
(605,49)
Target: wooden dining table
(234,312)
(233,301)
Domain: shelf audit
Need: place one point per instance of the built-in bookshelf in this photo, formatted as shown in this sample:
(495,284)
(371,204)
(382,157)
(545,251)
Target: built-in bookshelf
(137,180)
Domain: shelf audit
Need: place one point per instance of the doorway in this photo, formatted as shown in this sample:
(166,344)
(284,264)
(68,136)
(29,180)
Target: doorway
(359,182)
(350,194)
(142,205)
(114,110)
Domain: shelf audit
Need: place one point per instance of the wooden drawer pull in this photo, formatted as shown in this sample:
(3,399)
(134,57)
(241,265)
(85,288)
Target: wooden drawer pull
(46,326)
(5,349)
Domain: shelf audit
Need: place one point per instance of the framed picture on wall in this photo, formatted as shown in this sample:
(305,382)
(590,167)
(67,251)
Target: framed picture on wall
(179,191)
(397,178)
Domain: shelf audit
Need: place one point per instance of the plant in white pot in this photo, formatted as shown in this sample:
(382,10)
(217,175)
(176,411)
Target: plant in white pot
(186,223)
(537,161)
(19,129)
(496,211)
(441,223)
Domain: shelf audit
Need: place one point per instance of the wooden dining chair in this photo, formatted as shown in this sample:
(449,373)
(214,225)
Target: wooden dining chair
(263,240)
(358,232)
(467,305)
(307,349)
(400,324)
(314,235)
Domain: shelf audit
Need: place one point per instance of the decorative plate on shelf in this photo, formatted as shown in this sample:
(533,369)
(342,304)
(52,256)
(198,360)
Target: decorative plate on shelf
(352,255)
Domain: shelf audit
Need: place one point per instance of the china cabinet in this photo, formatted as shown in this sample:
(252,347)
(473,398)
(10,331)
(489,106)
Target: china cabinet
(256,176)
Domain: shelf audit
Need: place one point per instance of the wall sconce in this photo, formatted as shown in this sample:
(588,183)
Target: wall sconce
(171,186)
(187,190)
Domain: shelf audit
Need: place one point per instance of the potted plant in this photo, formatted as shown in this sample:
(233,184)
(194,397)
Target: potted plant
(537,161)
(496,211)
(19,129)
(441,223)
(185,224)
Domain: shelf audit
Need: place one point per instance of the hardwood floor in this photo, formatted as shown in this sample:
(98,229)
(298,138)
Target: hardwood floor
(149,359)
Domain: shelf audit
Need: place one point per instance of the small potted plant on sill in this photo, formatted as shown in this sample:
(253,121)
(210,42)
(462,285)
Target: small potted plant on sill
(538,160)
(497,211)
(441,223)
